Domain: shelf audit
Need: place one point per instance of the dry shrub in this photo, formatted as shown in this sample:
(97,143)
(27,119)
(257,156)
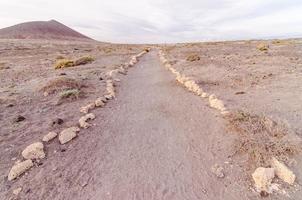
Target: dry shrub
(70,93)
(193,58)
(260,138)
(3,66)
(83,60)
(64,63)
(70,63)
(263,47)
(61,84)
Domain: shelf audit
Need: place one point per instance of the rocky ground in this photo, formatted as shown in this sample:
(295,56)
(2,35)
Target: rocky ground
(199,132)
(36,98)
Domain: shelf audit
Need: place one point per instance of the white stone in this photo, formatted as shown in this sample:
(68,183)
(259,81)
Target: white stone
(263,178)
(83,120)
(17,191)
(283,172)
(86,109)
(68,134)
(50,136)
(19,168)
(34,151)
(216,103)
(99,102)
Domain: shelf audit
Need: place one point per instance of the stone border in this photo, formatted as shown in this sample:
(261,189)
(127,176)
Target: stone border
(262,176)
(192,86)
(35,151)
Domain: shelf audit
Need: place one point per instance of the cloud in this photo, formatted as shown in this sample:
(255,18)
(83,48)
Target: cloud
(157,21)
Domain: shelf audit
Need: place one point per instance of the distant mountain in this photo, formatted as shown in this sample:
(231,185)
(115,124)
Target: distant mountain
(41,30)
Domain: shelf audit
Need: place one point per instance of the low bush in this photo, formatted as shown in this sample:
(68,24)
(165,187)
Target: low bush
(3,66)
(64,63)
(260,138)
(263,47)
(84,60)
(60,84)
(193,58)
(70,93)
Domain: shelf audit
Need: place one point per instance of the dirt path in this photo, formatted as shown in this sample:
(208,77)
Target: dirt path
(154,141)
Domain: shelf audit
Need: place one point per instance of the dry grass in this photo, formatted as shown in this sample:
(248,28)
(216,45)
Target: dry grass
(70,93)
(3,66)
(260,138)
(84,60)
(61,84)
(64,63)
(263,47)
(193,58)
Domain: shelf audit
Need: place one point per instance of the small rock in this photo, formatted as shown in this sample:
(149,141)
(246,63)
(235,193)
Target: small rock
(218,171)
(216,103)
(10,105)
(99,102)
(283,172)
(34,151)
(241,92)
(50,136)
(45,94)
(83,120)
(86,109)
(263,178)
(17,191)
(84,184)
(108,96)
(62,74)
(19,118)
(19,168)
(68,134)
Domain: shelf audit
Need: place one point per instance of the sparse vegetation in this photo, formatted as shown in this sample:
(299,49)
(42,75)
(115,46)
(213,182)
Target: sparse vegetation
(193,58)
(70,93)
(263,47)
(64,63)
(3,66)
(61,84)
(261,138)
(84,60)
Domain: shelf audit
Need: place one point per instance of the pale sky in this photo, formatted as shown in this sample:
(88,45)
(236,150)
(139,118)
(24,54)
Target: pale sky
(163,21)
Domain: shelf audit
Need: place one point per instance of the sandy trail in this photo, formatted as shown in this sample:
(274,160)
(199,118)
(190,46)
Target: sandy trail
(163,141)
(154,141)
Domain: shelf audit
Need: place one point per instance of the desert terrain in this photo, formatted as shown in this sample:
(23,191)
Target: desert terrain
(178,121)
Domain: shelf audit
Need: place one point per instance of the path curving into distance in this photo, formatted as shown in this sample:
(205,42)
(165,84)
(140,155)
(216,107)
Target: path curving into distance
(154,141)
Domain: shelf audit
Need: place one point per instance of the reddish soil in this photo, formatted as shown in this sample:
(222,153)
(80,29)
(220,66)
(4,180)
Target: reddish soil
(41,30)
(155,140)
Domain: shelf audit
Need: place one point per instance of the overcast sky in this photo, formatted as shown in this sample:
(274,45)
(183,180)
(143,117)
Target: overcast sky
(155,21)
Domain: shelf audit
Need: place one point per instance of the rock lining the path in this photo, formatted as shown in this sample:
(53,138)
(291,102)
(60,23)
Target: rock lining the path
(50,136)
(83,120)
(283,172)
(263,178)
(68,134)
(19,168)
(34,151)
(193,87)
